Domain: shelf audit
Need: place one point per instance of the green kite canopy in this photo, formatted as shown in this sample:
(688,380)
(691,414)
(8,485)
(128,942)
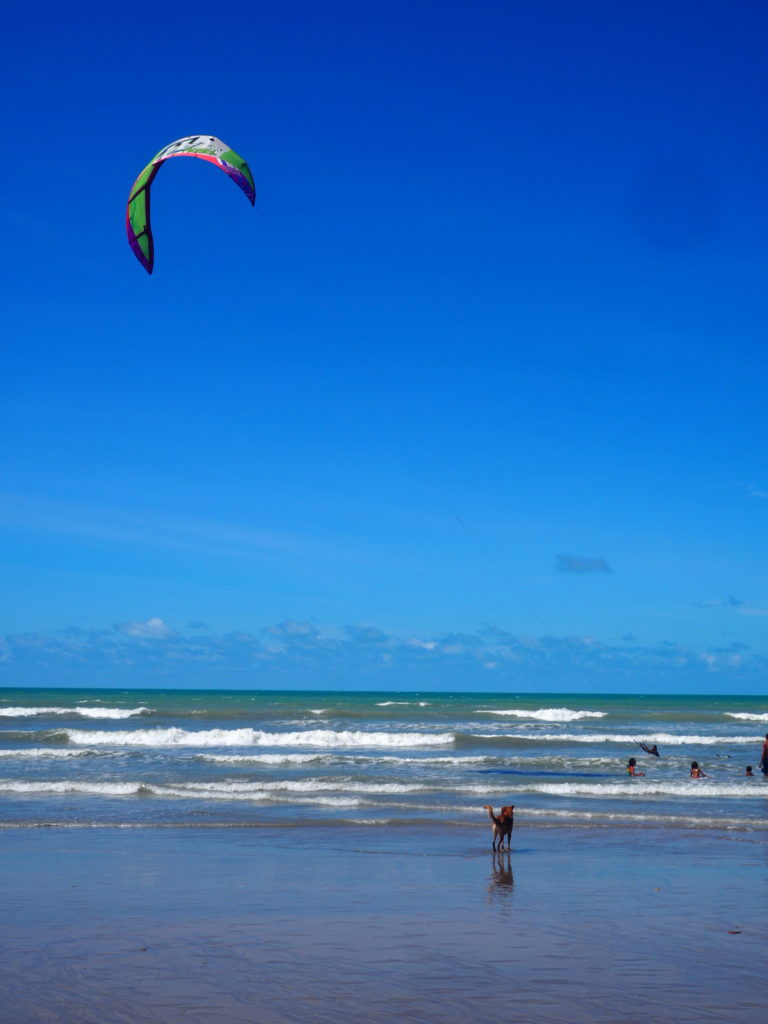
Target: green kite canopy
(204,147)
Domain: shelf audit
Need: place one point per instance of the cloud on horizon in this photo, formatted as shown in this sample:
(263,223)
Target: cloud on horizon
(152,629)
(299,654)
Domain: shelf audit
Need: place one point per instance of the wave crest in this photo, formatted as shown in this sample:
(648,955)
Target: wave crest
(328,738)
(84,712)
(547,714)
(624,739)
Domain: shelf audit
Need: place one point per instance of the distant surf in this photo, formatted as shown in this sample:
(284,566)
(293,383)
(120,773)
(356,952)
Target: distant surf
(84,712)
(544,714)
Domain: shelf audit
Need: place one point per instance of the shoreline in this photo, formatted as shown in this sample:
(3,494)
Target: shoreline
(525,821)
(239,924)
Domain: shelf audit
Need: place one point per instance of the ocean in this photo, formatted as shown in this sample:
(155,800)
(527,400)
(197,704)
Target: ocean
(164,758)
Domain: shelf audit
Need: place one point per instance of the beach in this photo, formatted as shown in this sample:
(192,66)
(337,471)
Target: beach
(278,925)
(270,857)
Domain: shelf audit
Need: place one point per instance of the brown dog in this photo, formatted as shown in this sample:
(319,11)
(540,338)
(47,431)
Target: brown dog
(503,825)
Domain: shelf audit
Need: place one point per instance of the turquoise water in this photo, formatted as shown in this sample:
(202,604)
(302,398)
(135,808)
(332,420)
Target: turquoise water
(154,758)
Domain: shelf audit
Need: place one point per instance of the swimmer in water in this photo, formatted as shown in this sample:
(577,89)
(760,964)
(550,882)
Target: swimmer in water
(653,749)
(631,770)
(696,772)
(749,773)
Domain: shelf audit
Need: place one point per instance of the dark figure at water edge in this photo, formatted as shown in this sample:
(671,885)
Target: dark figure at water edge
(503,825)
(631,770)
(653,749)
(764,757)
(749,773)
(696,772)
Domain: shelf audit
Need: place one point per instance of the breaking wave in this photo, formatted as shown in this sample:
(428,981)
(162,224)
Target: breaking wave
(641,789)
(547,714)
(85,712)
(176,737)
(402,703)
(667,738)
(306,790)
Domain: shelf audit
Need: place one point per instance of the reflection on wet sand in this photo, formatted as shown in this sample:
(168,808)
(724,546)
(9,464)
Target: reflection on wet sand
(501,881)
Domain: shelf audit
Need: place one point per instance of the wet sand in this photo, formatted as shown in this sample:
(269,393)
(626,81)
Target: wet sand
(163,926)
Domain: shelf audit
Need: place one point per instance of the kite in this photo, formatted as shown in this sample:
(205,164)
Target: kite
(204,147)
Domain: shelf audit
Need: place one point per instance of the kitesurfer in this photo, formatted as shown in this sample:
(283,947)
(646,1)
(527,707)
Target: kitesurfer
(653,749)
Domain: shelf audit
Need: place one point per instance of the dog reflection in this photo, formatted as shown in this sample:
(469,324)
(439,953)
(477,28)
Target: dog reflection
(502,880)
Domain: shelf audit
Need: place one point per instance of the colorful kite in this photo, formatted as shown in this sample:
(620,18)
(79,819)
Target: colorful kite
(204,147)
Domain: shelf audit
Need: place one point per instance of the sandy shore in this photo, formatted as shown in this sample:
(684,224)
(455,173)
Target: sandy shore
(105,926)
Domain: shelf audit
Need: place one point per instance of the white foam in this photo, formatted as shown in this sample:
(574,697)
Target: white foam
(232,791)
(546,714)
(745,716)
(632,816)
(89,788)
(403,703)
(458,761)
(334,801)
(191,790)
(644,788)
(265,758)
(667,738)
(396,760)
(45,752)
(304,786)
(85,712)
(328,738)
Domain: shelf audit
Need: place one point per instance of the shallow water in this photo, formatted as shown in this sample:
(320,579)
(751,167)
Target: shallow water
(141,757)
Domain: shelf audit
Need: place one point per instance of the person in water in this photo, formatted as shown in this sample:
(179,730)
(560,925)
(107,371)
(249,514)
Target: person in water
(764,757)
(631,770)
(749,773)
(696,772)
(653,749)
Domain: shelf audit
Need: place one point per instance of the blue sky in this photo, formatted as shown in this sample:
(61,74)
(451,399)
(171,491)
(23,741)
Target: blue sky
(473,398)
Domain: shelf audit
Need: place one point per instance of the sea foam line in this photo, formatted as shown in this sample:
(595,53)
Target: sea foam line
(45,752)
(667,738)
(268,758)
(402,703)
(390,760)
(746,716)
(634,789)
(328,738)
(197,791)
(545,714)
(84,712)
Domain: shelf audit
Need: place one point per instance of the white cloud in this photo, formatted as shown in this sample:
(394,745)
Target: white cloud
(424,645)
(152,629)
(300,655)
